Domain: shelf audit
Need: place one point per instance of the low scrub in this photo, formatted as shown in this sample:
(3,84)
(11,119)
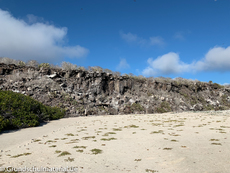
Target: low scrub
(164,107)
(20,111)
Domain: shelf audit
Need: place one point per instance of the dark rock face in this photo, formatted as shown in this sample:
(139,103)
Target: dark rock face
(99,93)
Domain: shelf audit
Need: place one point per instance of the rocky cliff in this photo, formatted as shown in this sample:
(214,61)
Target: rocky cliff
(83,92)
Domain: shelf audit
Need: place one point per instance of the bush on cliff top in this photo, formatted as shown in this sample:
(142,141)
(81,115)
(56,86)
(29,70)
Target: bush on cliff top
(20,111)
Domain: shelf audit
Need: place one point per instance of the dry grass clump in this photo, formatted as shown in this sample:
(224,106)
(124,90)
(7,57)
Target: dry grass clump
(68,66)
(7,60)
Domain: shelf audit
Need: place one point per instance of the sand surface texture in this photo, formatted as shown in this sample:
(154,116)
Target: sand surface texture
(172,142)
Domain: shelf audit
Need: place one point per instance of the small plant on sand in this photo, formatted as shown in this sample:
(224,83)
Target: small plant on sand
(64,153)
(214,140)
(50,141)
(37,140)
(214,143)
(64,138)
(80,147)
(150,170)
(173,134)
(137,160)
(108,133)
(80,151)
(167,148)
(225,126)
(88,137)
(109,139)
(19,155)
(57,151)
(131,126)
(179,125)
(117,129)
(53,146)
(96,151)
(69,159)
(69,134)
(159,131)
(73,141)
(174,140)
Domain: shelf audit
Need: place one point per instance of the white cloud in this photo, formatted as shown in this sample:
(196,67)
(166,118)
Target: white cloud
(217,59)
(123,65)
(156,41)
(166,64)
(39,41)
(129,37)
(133,38)
(33,19)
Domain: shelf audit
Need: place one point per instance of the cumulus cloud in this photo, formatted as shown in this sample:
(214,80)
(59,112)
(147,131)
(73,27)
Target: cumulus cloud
(133,38)
(123,65)
(34,40)
(217,59)
(165,65)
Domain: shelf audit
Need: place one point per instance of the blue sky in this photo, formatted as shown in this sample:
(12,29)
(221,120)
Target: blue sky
(169,38)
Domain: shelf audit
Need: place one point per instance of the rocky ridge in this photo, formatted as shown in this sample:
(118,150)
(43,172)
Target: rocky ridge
(83,92)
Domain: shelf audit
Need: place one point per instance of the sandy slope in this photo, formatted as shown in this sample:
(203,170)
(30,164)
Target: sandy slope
(180,143)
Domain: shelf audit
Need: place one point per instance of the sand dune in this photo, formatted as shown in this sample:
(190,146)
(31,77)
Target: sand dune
(172,142)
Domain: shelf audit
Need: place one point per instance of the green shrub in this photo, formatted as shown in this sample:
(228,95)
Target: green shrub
(21,64)
(217,86)
(164,107)
(44,65)
(137,107)
(20,111)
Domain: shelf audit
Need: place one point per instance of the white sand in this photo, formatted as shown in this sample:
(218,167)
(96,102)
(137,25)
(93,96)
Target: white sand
(167,143)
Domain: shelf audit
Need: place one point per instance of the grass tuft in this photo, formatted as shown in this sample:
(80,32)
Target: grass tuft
(19,155)
(96,151)
(64,153)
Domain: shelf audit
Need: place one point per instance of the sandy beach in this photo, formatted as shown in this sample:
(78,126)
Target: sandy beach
(188,142)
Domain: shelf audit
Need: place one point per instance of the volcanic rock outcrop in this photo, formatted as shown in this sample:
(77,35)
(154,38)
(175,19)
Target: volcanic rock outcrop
(83,92)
